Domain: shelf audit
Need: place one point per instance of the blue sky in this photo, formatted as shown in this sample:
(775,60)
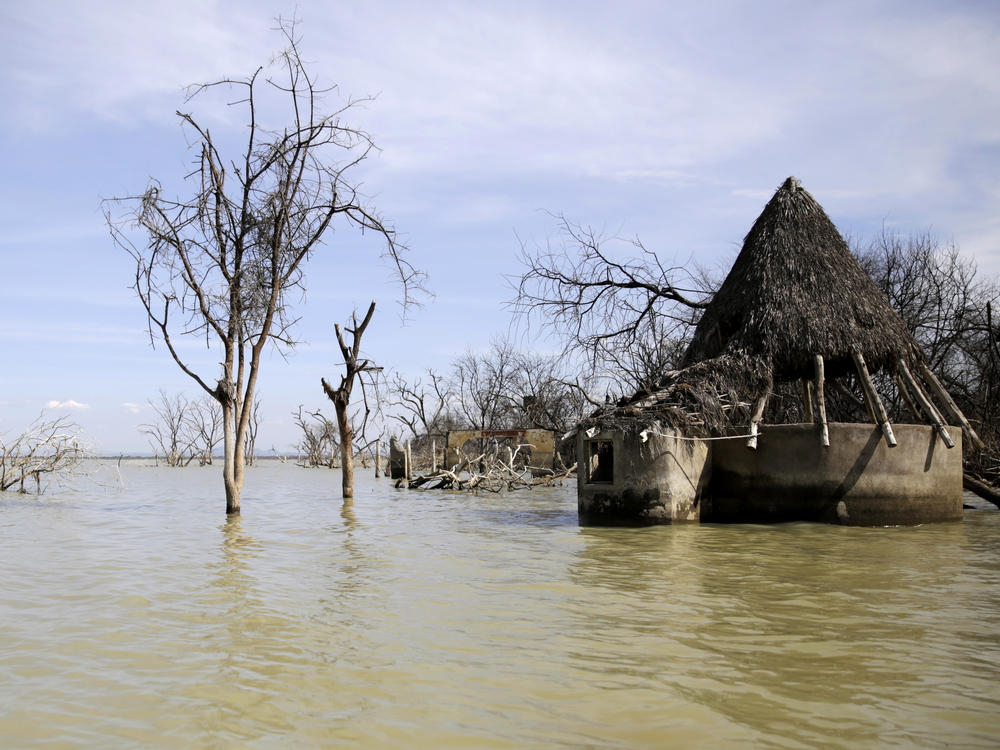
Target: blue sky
(671,121)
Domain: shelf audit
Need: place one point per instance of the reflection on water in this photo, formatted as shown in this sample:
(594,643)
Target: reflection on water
(144,618)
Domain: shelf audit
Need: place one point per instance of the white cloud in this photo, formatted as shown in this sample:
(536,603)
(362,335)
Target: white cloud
(70,404)
(131,408)
(115,60)
(543,94)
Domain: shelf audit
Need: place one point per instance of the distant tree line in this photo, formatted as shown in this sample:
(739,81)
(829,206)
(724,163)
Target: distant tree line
(185,430)
(500,388)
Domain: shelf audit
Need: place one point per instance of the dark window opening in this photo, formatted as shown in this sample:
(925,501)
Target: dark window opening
(601,462)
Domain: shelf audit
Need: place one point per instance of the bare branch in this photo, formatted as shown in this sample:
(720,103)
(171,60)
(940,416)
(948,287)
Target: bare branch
(579,288)
(225,261)
(49,447)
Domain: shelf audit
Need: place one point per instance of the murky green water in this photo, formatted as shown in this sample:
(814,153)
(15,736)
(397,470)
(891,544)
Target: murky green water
(143,618)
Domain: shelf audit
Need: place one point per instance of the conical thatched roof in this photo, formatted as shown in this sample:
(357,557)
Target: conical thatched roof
(796,291)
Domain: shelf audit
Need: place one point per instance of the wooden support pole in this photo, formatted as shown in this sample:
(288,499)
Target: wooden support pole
(378,459)
(758,415)
(925,403)
(931,379)
(434,455)
(871,395)
(408,462)
(807,401)
(821,402)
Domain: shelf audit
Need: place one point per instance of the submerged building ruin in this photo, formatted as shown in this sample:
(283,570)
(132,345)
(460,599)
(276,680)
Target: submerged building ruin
(776,413)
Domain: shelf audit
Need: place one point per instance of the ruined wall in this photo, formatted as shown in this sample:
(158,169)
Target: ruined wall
(657,481)
(542,442)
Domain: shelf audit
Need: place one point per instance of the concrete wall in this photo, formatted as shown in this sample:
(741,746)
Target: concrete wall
(659,481)
(543,446)
(857,480)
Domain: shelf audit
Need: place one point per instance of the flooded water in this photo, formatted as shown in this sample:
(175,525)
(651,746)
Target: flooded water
(138,616)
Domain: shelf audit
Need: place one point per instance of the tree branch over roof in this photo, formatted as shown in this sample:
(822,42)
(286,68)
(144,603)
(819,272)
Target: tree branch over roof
(581,288)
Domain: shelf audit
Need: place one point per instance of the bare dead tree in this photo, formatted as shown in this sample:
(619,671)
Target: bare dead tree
(581,289)
(205,425)
(318,438)
(48,447)
(655,350)
(172,435)
(422,406)
(935,289)
(504,387)
(221,263)
(543,394)
(484,386)
(341,395)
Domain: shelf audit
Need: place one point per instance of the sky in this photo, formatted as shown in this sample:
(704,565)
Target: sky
(671,122)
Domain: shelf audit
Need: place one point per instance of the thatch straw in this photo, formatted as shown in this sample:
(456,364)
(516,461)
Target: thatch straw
(794,292)
(706,398)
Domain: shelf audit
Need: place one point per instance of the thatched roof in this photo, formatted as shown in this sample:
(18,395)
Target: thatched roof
(796,291)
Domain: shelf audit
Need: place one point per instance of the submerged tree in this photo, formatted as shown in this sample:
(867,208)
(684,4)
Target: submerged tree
(341,395)
(317,444)
(253,427)
(173,434)
(49,447)
(205,424)
(221,263)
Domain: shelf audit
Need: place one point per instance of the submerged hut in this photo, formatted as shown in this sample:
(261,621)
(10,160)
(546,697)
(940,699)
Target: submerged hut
(776,413)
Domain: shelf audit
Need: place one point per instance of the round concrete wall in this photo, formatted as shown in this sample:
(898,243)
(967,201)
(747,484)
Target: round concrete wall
(857,480)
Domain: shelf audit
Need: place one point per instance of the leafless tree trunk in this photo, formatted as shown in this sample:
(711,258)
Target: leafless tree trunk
(47,447)
(341,396)
(221,263)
